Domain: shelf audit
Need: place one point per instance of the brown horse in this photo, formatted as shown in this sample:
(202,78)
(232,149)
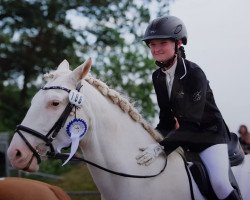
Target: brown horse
(26,189)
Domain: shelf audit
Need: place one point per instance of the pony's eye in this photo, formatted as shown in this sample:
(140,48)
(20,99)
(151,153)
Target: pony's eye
(55,103)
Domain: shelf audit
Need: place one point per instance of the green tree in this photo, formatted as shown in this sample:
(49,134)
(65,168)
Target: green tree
(36,35)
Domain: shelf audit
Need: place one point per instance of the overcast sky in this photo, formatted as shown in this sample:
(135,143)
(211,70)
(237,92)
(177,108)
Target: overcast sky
(219,42)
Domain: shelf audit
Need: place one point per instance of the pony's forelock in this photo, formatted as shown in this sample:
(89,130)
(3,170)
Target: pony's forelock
(52,75)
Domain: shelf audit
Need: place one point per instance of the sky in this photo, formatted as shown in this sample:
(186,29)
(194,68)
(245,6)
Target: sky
(219,42)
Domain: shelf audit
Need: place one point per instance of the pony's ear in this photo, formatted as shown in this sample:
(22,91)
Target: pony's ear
(81,71)
(64,65)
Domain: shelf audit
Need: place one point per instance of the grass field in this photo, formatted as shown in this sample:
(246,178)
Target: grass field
(76,180)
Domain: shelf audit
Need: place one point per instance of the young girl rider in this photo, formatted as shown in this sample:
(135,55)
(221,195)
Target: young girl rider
(188,116)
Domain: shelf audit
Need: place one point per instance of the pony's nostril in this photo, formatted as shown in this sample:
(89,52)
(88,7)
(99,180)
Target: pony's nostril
(18,153)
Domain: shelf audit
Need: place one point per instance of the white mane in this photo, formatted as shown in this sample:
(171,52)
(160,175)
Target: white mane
(124,104)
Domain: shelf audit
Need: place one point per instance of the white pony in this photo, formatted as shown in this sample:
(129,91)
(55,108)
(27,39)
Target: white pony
(114,133)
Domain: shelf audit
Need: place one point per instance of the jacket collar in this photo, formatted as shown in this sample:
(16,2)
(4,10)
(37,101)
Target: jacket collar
(180,73)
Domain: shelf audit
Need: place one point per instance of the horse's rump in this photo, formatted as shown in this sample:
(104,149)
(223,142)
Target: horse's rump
(13,188)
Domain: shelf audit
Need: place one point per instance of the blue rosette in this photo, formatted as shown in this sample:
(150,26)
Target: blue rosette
(76,126)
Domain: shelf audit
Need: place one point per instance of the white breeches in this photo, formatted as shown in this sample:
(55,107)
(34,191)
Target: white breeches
(215,158)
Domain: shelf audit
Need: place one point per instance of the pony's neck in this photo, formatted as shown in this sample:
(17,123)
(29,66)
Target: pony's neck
(113,141)
(113,131)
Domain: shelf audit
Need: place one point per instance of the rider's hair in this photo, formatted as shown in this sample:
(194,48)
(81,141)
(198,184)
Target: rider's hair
(181,52)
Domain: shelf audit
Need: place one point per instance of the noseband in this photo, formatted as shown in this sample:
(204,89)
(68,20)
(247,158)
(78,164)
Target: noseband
(53,132)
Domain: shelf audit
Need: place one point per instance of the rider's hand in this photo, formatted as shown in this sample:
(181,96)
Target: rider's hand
(147,156)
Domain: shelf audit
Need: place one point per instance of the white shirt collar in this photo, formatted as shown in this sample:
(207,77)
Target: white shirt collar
(171,70)
(170,77)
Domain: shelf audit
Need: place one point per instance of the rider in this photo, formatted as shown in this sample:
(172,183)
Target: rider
(188,116)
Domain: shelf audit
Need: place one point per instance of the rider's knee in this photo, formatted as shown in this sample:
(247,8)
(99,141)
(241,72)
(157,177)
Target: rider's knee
(221,188)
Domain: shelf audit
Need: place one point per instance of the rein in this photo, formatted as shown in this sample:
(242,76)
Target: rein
(63,157)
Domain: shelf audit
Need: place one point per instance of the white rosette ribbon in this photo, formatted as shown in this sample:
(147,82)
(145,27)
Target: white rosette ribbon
(76,130)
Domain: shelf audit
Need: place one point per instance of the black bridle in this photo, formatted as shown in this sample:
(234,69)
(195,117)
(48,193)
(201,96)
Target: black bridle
(53,132)
(50,136)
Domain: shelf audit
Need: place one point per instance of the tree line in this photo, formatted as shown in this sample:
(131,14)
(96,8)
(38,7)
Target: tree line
(36,35)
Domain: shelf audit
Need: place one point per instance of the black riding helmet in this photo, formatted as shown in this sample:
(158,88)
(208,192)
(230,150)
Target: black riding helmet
(166,27)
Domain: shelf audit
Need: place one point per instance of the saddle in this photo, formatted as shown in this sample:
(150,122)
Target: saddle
(200,174)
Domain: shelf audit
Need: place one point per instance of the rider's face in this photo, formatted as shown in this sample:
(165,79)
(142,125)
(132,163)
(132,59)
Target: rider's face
(162,49)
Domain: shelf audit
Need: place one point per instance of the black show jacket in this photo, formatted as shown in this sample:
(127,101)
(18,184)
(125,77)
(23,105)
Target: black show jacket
(192,103)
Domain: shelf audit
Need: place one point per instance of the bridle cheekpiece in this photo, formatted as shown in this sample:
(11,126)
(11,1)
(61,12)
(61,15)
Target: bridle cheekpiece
(74,101)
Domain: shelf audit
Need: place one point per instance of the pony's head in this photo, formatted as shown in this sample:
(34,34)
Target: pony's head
(51,122)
